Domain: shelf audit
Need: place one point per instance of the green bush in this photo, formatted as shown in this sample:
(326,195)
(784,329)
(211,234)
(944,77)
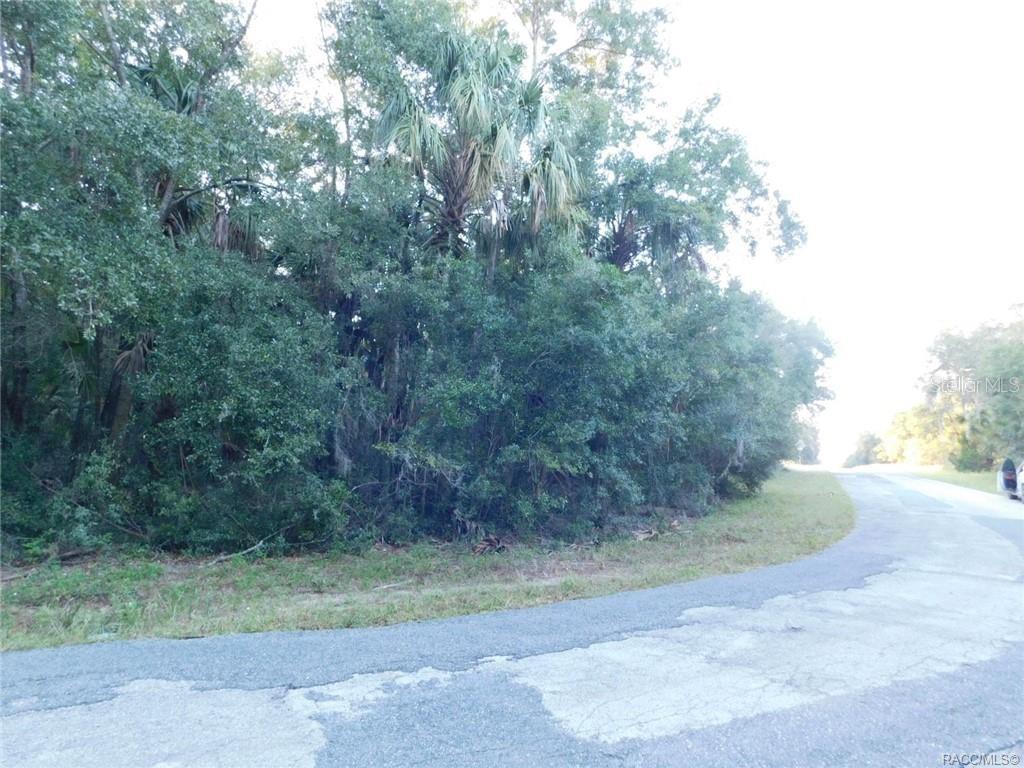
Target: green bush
(461,304)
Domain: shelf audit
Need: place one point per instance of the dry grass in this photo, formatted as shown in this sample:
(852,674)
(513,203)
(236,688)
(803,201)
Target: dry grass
(797,513)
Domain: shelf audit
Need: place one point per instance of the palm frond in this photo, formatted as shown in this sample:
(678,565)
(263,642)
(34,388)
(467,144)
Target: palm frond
(409,126)
(531,106)
(504,147)
(133,360)
(552,185)
(471,101)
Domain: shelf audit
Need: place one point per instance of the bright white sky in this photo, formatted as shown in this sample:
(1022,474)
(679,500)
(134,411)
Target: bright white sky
(895,128)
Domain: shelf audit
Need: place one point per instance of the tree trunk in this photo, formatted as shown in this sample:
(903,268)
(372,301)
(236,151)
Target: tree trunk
(15,389)
(115,48)
(166,199)
(455,190)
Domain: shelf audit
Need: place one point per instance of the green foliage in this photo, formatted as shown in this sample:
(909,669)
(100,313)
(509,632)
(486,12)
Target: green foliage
(973,414)
(459,303)
(131,595)
(921,435)
(868,451)
(808,443)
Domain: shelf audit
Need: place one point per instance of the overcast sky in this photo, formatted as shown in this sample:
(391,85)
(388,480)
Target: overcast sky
(895,129)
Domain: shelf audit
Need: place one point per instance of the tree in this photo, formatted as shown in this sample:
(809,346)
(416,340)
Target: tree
(866,452)
(459,302)
(474,165)
(148,164)
(973,414)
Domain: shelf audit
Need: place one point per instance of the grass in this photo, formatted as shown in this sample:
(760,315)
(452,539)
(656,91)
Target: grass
(796,514)
(979,481)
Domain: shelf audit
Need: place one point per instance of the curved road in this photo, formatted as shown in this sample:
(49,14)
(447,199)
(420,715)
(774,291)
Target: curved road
(901,645)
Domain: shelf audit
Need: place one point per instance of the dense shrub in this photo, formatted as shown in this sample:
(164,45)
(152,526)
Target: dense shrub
(459,304)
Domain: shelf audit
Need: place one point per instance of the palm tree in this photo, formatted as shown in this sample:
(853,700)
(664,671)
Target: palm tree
(482,147)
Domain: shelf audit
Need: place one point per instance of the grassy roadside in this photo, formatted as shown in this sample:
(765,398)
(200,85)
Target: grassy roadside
(979,481)
(797,513)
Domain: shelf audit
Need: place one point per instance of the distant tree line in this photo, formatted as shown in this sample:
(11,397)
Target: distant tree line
(459,300)
(972,414)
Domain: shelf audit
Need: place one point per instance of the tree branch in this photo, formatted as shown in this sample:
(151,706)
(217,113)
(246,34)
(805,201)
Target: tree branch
(226,49)
(167,199)
(591,43)
(115,48)
(253,548)
(239,181)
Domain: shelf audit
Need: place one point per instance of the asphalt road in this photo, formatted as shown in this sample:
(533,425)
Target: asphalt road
(901,645)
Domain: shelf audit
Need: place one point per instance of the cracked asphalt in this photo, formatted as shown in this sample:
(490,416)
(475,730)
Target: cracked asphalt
(902,645)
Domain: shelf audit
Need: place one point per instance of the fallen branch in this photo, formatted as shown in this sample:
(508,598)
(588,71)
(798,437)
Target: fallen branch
(396,584)
(60,557)
(489,544)
(16,576)
(253,548)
